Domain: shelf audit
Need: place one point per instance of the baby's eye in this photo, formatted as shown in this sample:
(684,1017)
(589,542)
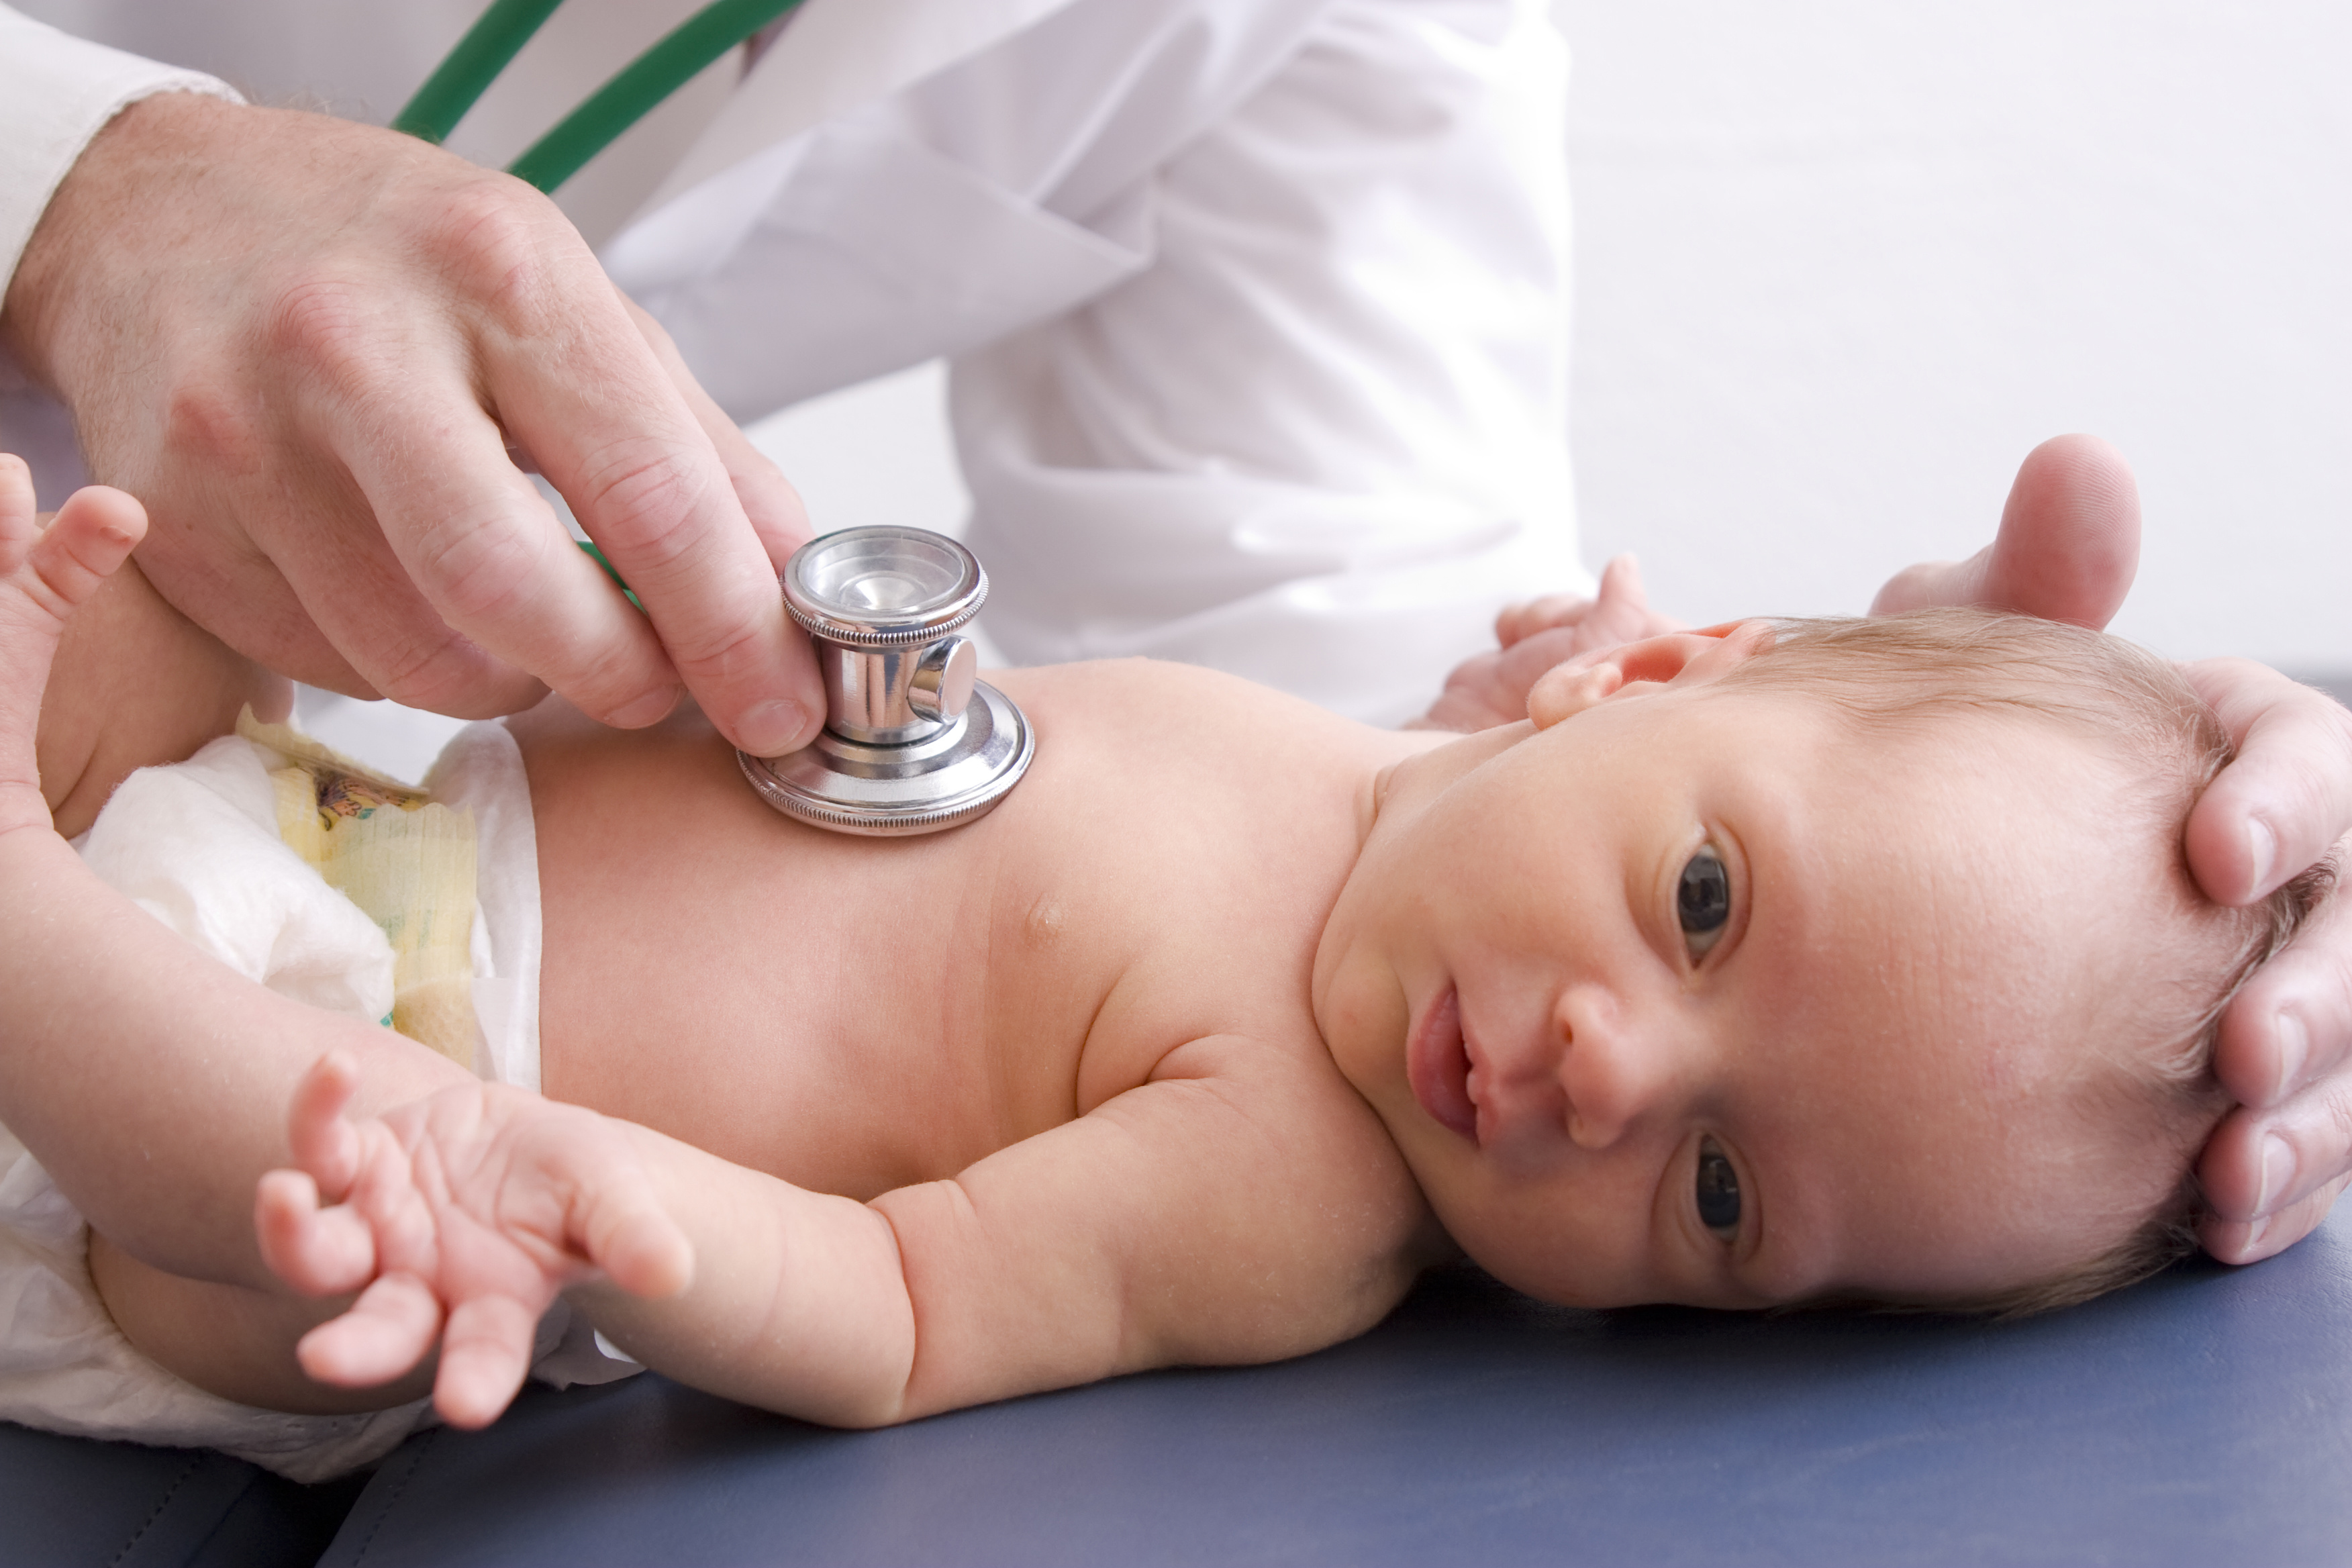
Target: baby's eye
(1718,1190)
(1702,901)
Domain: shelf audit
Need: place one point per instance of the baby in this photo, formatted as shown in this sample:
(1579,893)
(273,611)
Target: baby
(1841,962)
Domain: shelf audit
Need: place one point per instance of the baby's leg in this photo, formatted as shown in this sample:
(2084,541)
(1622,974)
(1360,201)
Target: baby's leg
(232,1339)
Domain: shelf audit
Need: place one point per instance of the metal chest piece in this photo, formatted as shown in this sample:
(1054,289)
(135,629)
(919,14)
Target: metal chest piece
(913,742)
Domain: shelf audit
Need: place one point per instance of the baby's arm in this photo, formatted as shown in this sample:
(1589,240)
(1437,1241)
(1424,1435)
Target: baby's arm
(458,1218)
(1237,1209)
(147,1078)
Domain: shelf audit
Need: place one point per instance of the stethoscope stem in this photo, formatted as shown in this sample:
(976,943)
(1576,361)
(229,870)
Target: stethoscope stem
(502,31)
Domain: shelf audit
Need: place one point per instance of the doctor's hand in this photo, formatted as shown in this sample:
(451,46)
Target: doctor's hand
(1492,688)
(2068,546)
(317,351)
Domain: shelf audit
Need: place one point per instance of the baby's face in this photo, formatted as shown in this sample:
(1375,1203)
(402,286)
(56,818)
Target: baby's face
(1695,996)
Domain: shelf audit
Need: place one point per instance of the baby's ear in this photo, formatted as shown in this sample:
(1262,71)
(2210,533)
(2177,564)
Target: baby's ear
(1677,660)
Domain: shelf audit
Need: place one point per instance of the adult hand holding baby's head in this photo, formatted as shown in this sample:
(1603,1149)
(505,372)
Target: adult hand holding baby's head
(2067,549)
(458,1220)
(312,348)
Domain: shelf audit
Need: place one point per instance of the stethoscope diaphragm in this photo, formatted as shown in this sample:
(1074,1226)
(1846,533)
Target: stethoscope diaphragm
(913,742)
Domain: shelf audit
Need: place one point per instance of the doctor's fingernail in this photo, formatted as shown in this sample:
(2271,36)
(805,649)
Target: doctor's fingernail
(770,729)
(643,711)
(2262,851)
(2278,1173)
(2293,1050)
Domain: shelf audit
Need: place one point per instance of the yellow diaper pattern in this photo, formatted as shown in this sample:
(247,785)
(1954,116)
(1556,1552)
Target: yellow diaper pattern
(406,860)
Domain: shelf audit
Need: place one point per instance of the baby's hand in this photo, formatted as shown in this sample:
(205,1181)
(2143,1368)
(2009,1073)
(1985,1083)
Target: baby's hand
(1492,688)
(458,1218)
(45,573)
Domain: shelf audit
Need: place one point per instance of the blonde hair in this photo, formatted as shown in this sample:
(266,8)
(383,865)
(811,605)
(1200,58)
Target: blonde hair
(1931,666)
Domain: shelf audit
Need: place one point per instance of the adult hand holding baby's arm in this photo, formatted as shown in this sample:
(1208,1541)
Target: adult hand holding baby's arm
(309,346)
(2068,546)
(458,1218)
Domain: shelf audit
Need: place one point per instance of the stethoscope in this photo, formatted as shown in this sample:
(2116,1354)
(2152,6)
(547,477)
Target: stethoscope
(502,31)
(913,742)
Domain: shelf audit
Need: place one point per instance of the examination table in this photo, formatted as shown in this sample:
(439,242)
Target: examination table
(2203,1418)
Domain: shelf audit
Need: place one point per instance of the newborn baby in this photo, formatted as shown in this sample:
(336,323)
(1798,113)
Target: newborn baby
(1850,961)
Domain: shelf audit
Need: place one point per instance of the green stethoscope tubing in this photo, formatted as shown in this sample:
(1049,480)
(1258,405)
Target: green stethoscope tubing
(499,34)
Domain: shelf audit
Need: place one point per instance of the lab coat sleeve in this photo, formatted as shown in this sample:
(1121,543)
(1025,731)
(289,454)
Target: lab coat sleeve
(56,91)
(1256,312)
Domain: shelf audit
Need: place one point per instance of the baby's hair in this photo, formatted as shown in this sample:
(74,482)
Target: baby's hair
(1909,672)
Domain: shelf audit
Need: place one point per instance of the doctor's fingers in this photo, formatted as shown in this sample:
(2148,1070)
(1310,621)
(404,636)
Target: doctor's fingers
(2286,798)
(609,428)
(775,508)
(2250,1241)
(2289,1029)
(2272,1167)
(2068,548)
(433,570)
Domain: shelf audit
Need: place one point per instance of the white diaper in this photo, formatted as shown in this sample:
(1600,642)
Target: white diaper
(197,846)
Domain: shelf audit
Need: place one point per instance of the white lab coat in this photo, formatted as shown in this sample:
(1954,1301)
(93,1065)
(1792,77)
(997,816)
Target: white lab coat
(1256,309)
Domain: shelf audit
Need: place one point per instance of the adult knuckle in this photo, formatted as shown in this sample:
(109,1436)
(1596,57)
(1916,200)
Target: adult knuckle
(211,428)
(646,497)
(719,648)
(493,242)
(323,322)
(612,673)
(2330,1121)
(428,664)
(477,567)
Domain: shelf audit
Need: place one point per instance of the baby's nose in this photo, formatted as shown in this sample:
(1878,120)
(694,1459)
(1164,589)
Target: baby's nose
(1611,1072)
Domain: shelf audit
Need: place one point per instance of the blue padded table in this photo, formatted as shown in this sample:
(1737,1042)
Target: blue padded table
(66,1503)
(2203,1418)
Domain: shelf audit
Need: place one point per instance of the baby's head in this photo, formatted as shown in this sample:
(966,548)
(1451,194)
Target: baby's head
(1853,959)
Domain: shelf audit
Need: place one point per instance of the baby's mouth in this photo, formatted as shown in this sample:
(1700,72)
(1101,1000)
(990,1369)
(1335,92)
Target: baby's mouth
(1437,1065)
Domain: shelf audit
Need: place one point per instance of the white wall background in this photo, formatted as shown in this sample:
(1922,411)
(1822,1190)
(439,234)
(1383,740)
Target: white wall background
(1841,263)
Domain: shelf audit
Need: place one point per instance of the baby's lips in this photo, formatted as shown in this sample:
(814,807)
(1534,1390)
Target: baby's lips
(1437,1065)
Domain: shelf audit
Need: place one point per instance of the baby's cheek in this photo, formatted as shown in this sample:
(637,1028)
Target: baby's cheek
(1362,1014)
(1562,1241)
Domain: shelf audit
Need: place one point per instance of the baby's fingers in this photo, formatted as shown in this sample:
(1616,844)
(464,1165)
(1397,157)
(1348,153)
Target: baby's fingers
(640,1249)
(325,1144)
(1518,622)
(484,1355)
(19,524)
(320,1252)
(91,538)
(388,1331)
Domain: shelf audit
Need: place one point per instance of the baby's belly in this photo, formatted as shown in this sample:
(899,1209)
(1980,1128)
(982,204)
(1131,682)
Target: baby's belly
(807,1004)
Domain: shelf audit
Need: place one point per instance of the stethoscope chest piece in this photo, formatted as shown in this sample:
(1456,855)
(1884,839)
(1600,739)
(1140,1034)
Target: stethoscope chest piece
(912,742)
